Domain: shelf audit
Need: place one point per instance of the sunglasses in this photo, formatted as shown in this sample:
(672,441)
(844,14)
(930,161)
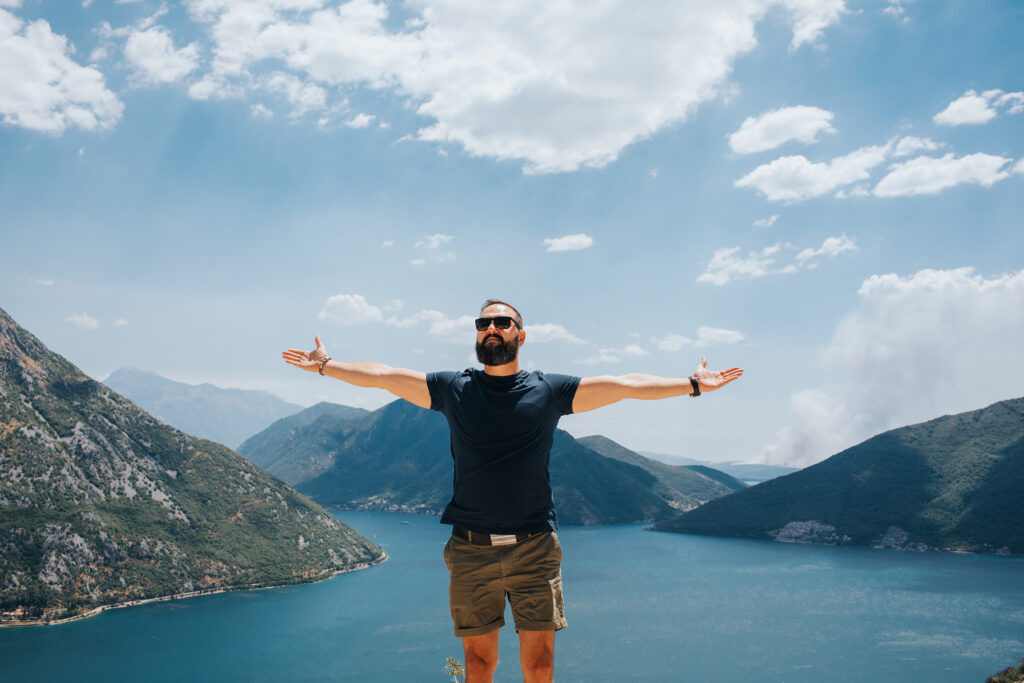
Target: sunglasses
(502,322)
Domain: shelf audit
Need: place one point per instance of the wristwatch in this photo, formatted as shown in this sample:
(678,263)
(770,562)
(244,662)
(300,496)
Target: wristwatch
(696,387)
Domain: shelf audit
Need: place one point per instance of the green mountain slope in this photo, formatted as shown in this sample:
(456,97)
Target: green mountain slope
(228,416)
(100,503)
(683,487)
(951,483)
(398,458)
(284,449)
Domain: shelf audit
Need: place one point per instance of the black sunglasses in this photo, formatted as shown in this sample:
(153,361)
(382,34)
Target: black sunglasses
(502,322)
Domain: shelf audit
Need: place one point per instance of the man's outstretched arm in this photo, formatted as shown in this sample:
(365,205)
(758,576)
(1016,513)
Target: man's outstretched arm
(408,384)
(595,392)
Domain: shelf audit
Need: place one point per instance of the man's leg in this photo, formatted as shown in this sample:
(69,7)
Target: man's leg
(537,656)
(481,657)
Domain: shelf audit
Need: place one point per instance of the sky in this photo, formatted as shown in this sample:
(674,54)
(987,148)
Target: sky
(826,193)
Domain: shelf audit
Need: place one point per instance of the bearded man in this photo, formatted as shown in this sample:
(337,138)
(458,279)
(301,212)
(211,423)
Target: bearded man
(504,530)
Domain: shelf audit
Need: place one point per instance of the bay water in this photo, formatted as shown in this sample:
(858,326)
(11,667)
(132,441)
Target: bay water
(642,606)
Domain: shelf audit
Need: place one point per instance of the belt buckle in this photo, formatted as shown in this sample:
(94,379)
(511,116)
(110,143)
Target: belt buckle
(503,539)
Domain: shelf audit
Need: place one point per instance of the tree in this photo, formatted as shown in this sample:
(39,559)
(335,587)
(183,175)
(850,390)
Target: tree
(454,668)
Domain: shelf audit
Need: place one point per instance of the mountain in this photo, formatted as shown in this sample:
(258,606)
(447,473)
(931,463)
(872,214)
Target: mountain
(101,503)
(398,457)
(687,486)
(744,471)
(283,450)
(951,483)
(228,416)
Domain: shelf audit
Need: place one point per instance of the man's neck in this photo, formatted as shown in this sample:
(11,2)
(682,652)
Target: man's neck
(502,370)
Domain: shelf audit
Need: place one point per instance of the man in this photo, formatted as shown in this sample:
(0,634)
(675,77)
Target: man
(502,423)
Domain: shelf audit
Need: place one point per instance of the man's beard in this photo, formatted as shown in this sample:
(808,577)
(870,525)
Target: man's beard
(497,354)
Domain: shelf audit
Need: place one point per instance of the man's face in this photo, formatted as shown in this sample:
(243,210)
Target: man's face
(494,346)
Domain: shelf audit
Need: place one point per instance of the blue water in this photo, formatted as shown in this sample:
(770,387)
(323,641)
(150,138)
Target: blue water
(642,606)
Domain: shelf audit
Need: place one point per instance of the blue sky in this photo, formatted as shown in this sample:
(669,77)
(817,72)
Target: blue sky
(825,193)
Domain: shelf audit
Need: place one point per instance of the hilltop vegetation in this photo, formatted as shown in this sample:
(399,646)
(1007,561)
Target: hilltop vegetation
(101,503)
(951,483)
(398,458)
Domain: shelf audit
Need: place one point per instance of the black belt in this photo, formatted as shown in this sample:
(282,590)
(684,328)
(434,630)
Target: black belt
(478,538)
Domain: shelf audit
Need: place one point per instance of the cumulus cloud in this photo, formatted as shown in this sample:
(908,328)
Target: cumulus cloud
(613,355)
(350,309)
(930,175)
(154,58)
(42,88)
(547,332)
(915,347)
(431,250)
(766,222)
(794,178)
(83,321)
(972,108)
(259,111)
(706,336)
(775,128)
(121,322)
(360,121)
(910,144)
(569,242)
(46,282)
(727,264)
(832,246)
(557,86)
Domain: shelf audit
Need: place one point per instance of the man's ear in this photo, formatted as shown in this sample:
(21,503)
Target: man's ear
(522,337)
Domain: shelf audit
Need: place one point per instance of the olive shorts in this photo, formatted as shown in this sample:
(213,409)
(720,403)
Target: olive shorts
(528,572)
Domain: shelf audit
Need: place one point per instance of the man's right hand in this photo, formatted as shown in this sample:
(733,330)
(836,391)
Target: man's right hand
(307,360)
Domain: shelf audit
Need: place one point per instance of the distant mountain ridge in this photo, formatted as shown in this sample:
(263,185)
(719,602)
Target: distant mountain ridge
(951,483)
(100,503)
(227,416)
(744,471)
(398,457)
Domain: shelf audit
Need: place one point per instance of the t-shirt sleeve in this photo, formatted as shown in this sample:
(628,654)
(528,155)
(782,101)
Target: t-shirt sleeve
(438,384)
(564,388)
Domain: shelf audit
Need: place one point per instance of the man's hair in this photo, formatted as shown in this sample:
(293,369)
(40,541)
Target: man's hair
(492,302)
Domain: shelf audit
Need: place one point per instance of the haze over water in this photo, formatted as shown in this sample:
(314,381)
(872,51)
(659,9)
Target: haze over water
(641,606)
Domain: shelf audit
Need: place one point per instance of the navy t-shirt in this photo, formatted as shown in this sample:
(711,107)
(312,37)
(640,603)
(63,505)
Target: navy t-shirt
(502,429)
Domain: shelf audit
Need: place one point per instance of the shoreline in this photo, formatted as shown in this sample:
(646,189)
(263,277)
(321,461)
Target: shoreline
(191,594)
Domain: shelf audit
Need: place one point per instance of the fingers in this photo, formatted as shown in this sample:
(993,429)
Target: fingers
(319,344)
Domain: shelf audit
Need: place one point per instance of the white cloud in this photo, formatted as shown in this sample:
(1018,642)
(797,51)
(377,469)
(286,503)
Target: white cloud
(930,175)
(387,244)
(259,111)
(716,336)
(360,121)
(569,242)
(1018,168)
(775,128)
(794,178)
(42,88)
(83,321)
(706,336)
(547,332)
(727,265)
(434,241)
(671,342)
(302,95)
(350,309)
(910,144)
(121,322)
(832,246)
(613,355)
(154,58)
(558,86)
(972,108)
(45,282)
(766,222)
(916,347)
